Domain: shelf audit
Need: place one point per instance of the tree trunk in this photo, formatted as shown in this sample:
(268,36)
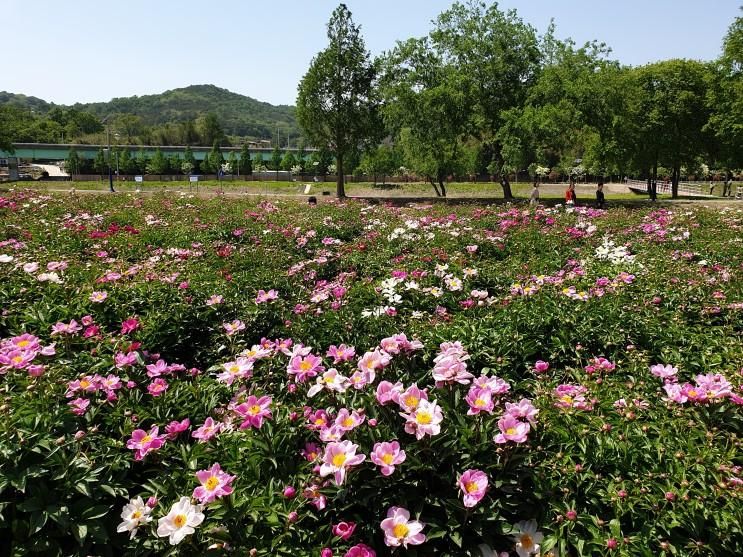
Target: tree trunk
(506,185)
(675,175)
(340,190)
(435,187)
(442,186)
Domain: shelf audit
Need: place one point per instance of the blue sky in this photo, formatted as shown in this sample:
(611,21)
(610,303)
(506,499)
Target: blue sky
(93,50)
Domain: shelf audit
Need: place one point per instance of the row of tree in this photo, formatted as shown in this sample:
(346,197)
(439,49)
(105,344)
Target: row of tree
(61,125)
(127,162)
(483,93)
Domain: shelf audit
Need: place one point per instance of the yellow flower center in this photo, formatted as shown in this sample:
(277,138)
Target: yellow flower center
(180,520)
(411,401)
(692,392)
(212,483)
(319,421)
(339,460)
(146,439)
(567,399)
(471,487)
(23,344)
(17,360)
(255,409)
(348,422)
(423,418)
(234,369)
(526,542)
(511,431)
(136,515)
(84,384)
(387,458)
(480,403)
(400,530)
(305,365)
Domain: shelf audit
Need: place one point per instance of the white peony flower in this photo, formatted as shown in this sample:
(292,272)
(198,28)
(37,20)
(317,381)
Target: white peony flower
(135,514)
(181,521)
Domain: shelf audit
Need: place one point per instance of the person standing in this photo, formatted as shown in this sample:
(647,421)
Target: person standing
(600,200)
(570,198)
(534,199)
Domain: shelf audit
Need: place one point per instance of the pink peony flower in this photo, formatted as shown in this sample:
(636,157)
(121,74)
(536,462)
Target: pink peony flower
(233,327)
(479,400)
(79,405)
(361,550)
(338,457)
(348,420)
(344,530)
(207,431)
(241,368)
(263,296)
(474,484)
(214,484)
(129,326)
(387,456)
(411,398)
(424,420)
(523,410)
(387,392)
(98,297)
(254,411)
(157,387)
(142,442)
(400,530)
(541,366)
(175,427)
(303,368)
(511,430)
(666,372)
(341,353)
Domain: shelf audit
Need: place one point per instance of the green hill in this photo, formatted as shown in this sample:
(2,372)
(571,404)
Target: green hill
(237,114)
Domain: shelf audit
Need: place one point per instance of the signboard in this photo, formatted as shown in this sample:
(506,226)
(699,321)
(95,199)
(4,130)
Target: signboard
(139,178)
(193,178)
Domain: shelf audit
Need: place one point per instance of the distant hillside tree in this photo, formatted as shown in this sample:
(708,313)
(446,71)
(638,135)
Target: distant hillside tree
(337,106)
(245,162)
(210,130)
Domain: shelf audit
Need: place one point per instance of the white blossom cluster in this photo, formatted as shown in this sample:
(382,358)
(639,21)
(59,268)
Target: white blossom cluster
(609,251)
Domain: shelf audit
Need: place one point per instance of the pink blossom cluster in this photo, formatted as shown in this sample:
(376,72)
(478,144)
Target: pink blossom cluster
(450,365)
(480,397)
(599,365)
(19,352)
(516,422)
(572,396)
(708,388)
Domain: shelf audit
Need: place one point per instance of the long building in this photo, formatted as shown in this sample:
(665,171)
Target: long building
(53,152)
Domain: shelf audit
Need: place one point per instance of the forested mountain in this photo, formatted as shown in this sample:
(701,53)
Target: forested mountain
(165,118)
(237,114)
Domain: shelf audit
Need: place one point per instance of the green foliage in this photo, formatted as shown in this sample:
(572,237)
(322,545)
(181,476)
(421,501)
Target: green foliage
(337,104)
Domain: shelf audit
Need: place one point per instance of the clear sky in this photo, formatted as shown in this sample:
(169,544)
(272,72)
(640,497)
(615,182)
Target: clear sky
(93,50)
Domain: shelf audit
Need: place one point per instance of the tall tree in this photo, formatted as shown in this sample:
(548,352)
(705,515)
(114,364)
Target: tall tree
(276,158)
(428,108)
(497,58)
(100,164)
(73,163)
(246,164)
(725,99)
(673,113)
(158,164)
(337,106)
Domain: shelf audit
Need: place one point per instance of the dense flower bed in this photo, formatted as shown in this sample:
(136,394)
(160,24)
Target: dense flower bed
(267,378)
